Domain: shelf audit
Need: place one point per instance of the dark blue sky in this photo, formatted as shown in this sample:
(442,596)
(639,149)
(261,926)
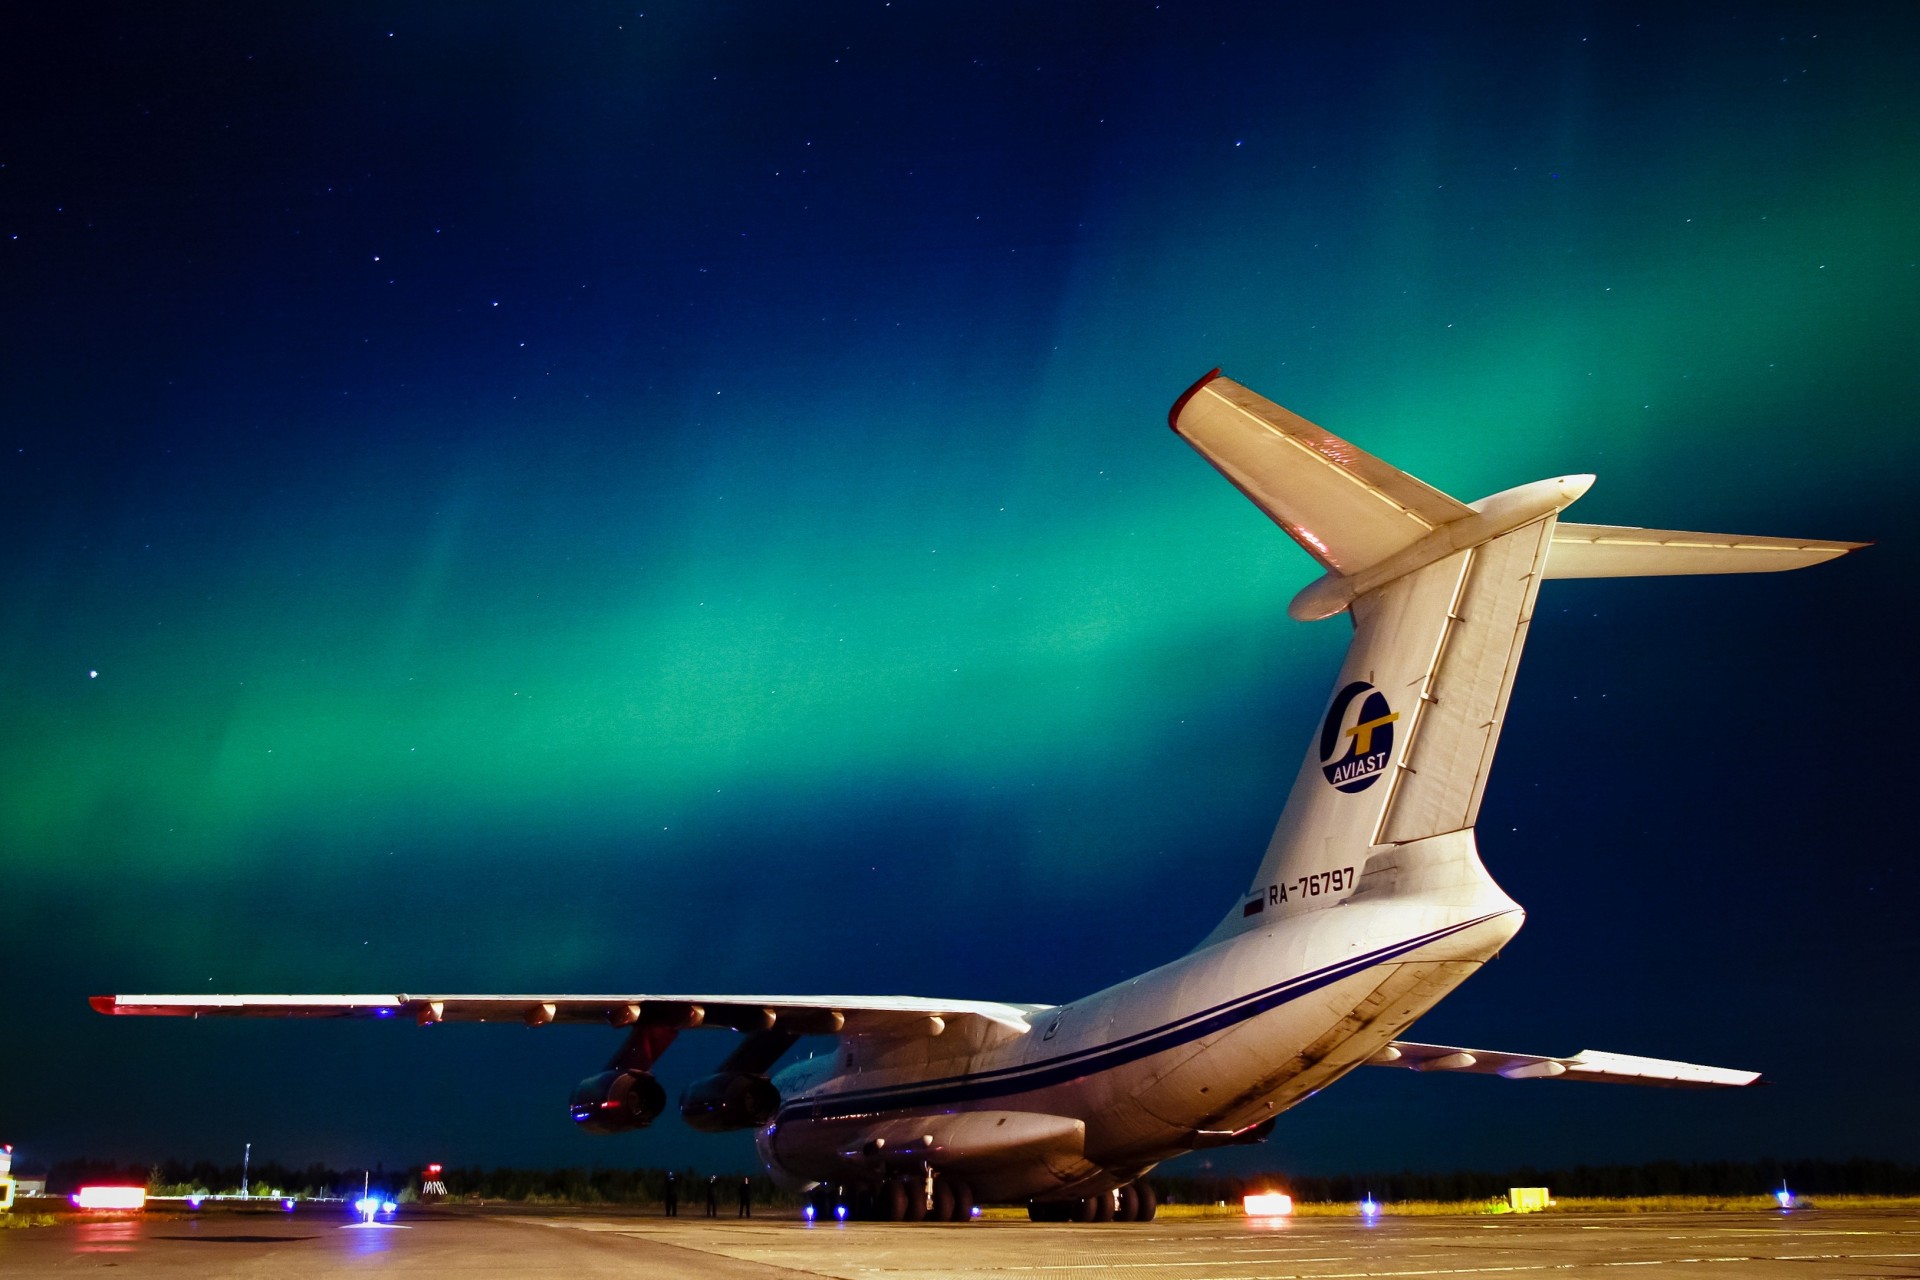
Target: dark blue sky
(676,497)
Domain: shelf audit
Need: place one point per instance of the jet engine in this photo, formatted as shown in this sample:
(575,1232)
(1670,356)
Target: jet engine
(729,1100)
(615,1101)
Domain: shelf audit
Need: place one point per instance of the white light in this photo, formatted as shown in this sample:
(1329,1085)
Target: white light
(840,1212)
(1268,1204)
(111,1197)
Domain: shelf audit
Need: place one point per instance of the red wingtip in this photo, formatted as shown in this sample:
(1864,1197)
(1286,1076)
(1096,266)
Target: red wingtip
(103,1004)
(1173,414)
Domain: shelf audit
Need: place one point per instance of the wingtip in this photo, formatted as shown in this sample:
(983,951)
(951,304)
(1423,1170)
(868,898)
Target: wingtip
(103,1004)
(1173,414)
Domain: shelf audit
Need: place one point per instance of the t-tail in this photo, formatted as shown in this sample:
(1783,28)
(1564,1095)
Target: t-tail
(1441,594)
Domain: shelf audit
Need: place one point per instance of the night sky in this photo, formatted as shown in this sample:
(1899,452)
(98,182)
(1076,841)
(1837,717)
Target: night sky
(658,497)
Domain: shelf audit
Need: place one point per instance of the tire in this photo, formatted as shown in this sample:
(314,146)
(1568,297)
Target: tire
(1149,1202)
(962,1201)
(1085,1209)
(1102,1206)
(915,1191)
(1127,1204)
(892,1201)
(942,1210)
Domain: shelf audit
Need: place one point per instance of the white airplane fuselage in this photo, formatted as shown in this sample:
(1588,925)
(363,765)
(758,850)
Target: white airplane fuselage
(1188,1055)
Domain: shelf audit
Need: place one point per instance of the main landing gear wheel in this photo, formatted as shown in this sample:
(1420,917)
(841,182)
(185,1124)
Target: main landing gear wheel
(962,1201)
(1146,1202)
(915,1189)
(890,1202)
(1126,1205)
(943,1203)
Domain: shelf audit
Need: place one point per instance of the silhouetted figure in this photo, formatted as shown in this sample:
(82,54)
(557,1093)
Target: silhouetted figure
(713,1195)
(671,1199)
(746,1198)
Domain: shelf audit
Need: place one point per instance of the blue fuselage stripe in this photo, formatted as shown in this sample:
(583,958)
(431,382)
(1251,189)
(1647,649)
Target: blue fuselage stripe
(1006,1081)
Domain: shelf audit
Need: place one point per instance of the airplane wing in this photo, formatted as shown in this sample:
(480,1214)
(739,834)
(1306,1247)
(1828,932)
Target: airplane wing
(1588,1064)
(807,1015)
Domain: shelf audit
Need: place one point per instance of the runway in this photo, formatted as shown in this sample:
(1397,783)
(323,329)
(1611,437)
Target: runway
(1806,1243)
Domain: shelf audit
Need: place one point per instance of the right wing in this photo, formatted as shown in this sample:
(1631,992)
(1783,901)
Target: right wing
(1588,1064)
(807,1015)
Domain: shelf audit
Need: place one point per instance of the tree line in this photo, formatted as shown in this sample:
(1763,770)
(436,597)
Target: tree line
(1810,1177)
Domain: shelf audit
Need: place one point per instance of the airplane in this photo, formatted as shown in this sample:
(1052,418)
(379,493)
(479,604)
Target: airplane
(1370,905)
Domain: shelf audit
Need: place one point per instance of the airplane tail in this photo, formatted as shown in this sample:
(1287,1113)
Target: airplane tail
(1441,594)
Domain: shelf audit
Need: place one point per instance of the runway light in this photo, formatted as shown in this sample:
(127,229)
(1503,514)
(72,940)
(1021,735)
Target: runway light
(1783,1197)
(111,1198)
(1370,1207)
(366,1206)
(287,1204)
(1268,1204)
(975,1211)
(807,1213)
(388,1206)
(840,1212)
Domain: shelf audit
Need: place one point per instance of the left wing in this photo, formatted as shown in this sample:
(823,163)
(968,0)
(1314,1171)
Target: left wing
(806,1015)
(1588,1064)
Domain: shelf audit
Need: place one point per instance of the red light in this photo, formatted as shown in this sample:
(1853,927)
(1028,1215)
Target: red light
(433,1168)
(111,1197)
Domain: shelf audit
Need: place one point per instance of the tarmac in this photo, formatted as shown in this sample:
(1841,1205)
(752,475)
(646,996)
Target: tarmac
(584,1246)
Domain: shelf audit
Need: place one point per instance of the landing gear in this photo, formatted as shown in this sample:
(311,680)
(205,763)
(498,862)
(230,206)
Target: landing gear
(1135,1202)
(907,1199)
(916,1195)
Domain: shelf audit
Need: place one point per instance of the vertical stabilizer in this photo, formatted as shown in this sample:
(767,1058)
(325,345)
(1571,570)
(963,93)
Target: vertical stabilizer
(1441,594)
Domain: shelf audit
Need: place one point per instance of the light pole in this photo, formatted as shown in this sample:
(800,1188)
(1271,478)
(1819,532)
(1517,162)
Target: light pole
(246,1160)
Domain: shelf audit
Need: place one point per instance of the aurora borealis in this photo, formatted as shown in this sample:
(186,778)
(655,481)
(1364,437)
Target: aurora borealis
(677,497)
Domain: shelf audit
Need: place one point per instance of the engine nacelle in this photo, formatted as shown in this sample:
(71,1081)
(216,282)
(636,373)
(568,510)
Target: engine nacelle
(730,1100)
(616,1101)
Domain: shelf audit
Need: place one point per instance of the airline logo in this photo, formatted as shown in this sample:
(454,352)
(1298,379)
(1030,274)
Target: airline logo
(1357,739)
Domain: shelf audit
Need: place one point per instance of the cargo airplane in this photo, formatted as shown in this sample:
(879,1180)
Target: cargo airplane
(1369,906)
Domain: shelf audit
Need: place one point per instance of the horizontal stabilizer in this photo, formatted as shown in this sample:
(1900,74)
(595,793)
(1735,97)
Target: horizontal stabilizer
(1588,1064)
(1618,551)
(1347,508)
(808,1015)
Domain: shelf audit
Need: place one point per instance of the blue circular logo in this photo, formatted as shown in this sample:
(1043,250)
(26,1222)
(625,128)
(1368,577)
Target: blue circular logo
(1360,721)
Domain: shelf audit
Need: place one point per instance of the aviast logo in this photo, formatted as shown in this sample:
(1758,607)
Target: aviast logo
(1361,720)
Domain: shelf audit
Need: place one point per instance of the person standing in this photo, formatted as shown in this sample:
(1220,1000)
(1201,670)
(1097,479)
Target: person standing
(713,1195)
(671,1198)
(746,1198)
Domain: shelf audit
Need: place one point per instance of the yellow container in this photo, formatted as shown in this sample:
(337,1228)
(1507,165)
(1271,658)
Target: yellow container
(1527,1199)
